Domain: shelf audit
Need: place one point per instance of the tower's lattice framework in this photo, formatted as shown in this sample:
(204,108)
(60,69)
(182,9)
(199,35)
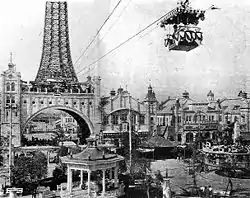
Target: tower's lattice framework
(56,62)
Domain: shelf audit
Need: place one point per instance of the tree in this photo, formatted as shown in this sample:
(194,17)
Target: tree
(28,170)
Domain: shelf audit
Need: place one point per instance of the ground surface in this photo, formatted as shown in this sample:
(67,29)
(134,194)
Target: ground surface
(179,178)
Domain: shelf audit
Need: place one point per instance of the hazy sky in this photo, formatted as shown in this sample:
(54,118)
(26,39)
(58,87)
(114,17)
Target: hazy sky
(220,64)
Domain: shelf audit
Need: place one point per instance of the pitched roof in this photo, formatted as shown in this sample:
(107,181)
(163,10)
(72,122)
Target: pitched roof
(157,141)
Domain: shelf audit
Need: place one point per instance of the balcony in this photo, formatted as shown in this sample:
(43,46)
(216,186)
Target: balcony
(201,127)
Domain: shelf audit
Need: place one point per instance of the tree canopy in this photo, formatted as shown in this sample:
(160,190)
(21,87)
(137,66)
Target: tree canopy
(29,169)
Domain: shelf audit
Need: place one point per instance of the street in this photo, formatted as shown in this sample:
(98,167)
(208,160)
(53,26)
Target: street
(179,177)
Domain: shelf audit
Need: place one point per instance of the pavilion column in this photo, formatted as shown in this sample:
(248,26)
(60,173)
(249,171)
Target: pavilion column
(69,180)
(103,182)
(111,174)
(48,154)
(81,176)
(116,176)
(89,174)
(211,135)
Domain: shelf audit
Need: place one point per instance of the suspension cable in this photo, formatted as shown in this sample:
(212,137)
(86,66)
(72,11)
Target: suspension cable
(98,32)
(124,42)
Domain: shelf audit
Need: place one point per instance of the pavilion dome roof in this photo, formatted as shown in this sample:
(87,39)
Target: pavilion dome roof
(93,154)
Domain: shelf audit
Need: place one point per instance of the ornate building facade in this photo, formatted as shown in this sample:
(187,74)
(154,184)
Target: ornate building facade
(182,119)
(122,112)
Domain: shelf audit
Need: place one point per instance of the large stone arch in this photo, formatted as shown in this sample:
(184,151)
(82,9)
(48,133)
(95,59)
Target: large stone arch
(81,119)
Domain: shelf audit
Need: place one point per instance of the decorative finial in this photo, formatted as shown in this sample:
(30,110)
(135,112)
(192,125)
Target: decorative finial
(11,65)
(11,54)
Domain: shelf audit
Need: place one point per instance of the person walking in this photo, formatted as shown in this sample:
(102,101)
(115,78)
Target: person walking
(210,189)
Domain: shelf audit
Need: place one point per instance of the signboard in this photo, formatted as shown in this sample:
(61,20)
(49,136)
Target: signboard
(17,190)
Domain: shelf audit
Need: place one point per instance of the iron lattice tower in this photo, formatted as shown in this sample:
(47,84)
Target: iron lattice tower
(56,63)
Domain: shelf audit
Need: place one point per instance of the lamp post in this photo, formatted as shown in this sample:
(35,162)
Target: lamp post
(130,135)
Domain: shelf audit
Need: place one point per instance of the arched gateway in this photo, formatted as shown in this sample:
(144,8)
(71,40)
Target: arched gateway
(55,87)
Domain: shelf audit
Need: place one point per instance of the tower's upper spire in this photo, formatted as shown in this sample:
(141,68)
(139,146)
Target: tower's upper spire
(56,63)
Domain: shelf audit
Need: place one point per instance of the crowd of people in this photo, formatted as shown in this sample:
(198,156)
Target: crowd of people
(39,142)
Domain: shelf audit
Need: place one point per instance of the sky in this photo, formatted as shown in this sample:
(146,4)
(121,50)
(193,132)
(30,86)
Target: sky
(220,64)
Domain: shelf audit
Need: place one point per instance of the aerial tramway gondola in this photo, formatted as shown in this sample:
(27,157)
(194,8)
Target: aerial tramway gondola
(184,20)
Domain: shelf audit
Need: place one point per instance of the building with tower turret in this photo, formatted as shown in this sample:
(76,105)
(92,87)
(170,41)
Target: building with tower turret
(151,105)
(122,112)
(11,89)
(183,119)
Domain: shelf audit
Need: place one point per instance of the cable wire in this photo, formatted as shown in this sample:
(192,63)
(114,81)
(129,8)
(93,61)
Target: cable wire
(121,44)
(111,27)
(98,31)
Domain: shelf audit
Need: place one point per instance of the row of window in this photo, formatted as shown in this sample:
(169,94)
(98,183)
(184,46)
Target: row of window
(50,102)
(7,115)
(69,120)
(163,121)
(200,118)
(10,99)
(123,118)
(10,86)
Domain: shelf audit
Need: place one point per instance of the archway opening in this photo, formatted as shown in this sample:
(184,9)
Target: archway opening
(54,127)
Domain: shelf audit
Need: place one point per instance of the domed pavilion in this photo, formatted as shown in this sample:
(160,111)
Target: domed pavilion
(92,158)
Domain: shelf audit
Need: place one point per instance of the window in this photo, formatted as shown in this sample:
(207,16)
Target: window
(243,118)
(115,119)
(179,137)
(8,87)
(7,99)
(7,114)
(13,86)
(179,119)
(13,99)
(195,118)
(124,126)
(142,119)
(134,119)
(220,118)
(105,120)
(163,122)
(123,117)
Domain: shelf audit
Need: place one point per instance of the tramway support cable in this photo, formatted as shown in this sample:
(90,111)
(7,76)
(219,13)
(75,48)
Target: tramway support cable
(127,40)
(99,30)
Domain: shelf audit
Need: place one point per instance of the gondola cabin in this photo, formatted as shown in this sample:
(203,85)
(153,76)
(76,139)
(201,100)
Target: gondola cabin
(182,32)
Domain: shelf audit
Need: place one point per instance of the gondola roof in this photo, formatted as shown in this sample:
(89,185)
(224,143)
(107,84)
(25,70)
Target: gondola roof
(184,15)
